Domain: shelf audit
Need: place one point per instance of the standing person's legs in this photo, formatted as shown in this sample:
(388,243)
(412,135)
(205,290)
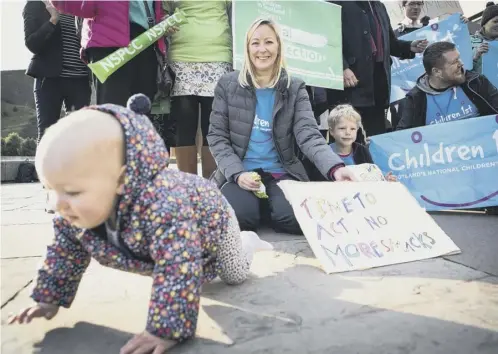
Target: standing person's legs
(373,120)
(144,68)
(245,204)
(77,93)
(117,88)
(162,123)
(208,162)
(185,112)
(281,212)
(48,102)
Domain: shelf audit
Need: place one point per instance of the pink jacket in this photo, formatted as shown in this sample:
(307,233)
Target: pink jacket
(106,23)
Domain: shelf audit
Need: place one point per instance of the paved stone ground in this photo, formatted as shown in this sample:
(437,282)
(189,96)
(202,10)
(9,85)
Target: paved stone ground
(287,306)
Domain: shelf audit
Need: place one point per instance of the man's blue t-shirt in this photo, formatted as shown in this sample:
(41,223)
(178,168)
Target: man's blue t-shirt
(347,159)
(261,152)
(450,105)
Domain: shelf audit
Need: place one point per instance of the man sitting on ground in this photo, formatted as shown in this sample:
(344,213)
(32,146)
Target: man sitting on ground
(446,92)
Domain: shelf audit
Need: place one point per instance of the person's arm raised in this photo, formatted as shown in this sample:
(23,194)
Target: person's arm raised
(36,37)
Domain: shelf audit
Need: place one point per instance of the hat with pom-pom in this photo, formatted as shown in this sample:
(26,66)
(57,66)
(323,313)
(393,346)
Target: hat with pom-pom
(489,12)
(139,104)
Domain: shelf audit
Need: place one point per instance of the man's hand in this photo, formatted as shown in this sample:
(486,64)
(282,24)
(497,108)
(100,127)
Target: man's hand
(419,45)
(246,181)
(464,19)
(344,174)
(350,79)
(146,343)
(39,310)
(483,48)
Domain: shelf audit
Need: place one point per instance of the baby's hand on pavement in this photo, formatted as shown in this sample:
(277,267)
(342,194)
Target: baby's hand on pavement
(147,343)
(38,310)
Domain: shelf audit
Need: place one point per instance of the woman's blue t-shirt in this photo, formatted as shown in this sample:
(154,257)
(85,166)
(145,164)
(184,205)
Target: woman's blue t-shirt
(261,152)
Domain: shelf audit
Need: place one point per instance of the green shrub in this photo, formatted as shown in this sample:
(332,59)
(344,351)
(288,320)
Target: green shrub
(28,147)
(12,145)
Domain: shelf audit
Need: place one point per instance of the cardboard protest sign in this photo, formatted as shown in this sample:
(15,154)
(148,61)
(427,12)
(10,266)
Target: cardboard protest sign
(360,225)
(451,165)
(367,172)
(311,32)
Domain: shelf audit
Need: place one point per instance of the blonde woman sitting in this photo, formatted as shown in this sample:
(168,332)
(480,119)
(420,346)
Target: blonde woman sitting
(261,120)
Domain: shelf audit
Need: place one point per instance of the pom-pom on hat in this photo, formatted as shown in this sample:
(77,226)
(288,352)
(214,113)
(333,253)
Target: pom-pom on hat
(490,12)
(139,104)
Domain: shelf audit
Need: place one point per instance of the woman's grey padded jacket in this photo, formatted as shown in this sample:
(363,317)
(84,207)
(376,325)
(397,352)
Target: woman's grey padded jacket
(294,128)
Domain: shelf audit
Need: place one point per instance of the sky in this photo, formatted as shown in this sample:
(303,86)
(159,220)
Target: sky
(15,56)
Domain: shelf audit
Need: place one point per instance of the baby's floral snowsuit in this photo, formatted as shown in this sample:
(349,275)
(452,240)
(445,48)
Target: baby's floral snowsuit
(171,225)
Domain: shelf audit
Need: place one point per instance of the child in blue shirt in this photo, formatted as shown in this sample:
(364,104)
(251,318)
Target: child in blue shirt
(344,124)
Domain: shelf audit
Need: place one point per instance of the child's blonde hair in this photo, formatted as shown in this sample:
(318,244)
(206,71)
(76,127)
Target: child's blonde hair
(346,111)
(248,67)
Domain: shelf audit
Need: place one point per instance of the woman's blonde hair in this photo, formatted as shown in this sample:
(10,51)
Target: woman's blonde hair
(248,69)
(345,111)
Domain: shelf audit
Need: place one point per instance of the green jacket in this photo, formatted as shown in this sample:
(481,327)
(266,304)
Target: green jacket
(206,37)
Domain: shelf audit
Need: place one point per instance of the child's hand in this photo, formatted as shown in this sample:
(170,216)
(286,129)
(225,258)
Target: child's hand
(147,343)
(39,310)
(391,178)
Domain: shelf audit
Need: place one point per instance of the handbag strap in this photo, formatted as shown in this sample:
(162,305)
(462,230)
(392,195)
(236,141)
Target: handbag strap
(150,19)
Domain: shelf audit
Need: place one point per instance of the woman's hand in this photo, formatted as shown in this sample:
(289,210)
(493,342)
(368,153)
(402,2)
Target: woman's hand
(246,181)
(419,45)
(344,174)
(38,310)
(350,79)
(170,30)
(483,48)
(391,178)
(146,343)
(54,14)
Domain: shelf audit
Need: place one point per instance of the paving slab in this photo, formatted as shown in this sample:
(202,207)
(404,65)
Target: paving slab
(477,234)
(288,305)
(16,274)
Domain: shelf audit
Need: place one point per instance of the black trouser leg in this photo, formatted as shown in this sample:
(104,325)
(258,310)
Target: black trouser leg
(281,213)
(373,120)
(48,101)
(245,204)
(76,93)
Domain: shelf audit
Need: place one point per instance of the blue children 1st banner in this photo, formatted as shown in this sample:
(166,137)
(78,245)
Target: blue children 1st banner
(404,73)
(445,166)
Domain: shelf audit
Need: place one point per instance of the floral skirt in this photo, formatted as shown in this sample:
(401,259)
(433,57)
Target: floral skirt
(198,79)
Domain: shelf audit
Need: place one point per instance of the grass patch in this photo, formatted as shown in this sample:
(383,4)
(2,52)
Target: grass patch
(18,119)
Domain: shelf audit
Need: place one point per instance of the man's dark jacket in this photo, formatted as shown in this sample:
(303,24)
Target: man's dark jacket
(357,49)
(477,87)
